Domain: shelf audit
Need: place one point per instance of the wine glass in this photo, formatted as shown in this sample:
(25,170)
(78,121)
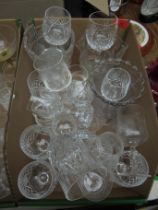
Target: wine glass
(64,124)
(101,31)
(131,125)
(56,25)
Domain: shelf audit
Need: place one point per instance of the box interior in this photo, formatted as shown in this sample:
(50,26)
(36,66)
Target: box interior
(20,118)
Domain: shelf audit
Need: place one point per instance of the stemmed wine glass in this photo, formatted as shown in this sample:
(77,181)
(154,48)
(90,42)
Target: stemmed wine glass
(132,169)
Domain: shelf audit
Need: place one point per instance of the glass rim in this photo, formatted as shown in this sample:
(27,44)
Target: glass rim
(81,68)
(59,8)
(94,19)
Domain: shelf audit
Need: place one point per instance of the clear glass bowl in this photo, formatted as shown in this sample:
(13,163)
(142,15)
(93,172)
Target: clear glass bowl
(35,44)
(136,86)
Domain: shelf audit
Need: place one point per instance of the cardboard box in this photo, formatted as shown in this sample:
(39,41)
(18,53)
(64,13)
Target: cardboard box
(15,23)
(100,5)
(20,118)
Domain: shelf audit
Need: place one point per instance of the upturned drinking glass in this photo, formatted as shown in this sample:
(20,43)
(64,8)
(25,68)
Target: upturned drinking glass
(84,115)
(54,72)
(96,183)
(78,92)
(56,25)
(101,31)
(64,124)
(34,42)
(131,125)
(37,180)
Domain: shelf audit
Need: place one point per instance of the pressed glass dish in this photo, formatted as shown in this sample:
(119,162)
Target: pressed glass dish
(135,89)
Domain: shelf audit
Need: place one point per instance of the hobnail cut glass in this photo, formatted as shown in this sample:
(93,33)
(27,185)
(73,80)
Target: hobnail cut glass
(37,180)
(135,89)
(35,44)
(132,169)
